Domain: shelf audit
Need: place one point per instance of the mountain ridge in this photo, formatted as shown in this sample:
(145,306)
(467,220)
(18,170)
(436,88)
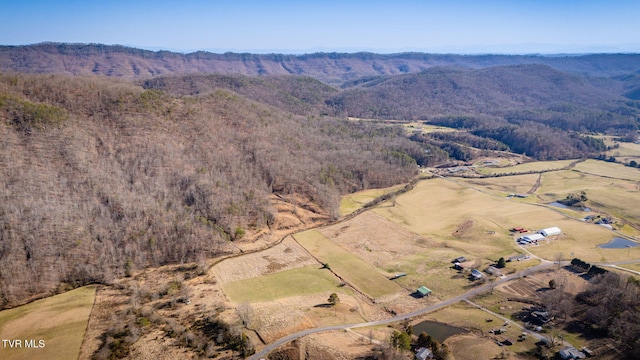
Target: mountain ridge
(332,68)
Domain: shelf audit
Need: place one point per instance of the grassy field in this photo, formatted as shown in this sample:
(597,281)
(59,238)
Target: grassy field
(287,283)
(352,202)
(526,167)
(610,170)
(462,217)
(503,186)
(348,266)
(61,321)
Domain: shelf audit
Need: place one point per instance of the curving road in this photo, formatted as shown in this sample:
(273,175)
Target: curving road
(480,289)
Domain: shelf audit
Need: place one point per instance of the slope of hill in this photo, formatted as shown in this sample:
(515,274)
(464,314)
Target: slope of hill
(100,176)
(297,94)
(442,91)
(332,68)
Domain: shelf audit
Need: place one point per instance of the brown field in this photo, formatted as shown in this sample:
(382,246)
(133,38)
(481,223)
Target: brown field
(60,321)
(517,184)
(472,347)
(352,202)
(526,167)
(285,256)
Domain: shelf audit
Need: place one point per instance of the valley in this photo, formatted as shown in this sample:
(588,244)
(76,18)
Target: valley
(321,214)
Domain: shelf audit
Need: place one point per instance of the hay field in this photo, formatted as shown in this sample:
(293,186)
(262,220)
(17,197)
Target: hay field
(611,170)
(624,149)
(287,283)
(348,266)
(612,196)
(460,217)
(352,202)
(60,320)
(503,186)
(527,167)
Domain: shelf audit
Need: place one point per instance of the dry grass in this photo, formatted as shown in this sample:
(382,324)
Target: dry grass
(354,270)
(439,207)
(285,256)
(355,201)
(61,321)
(300,281)
(607,169)
(517,184)
(526,167)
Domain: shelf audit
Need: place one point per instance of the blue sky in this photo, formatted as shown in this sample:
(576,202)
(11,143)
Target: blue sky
(440,26)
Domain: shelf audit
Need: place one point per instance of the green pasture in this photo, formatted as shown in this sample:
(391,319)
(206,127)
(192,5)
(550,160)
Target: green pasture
(348,266)
(352,202)
(301,281)
(527,167)
(60,320)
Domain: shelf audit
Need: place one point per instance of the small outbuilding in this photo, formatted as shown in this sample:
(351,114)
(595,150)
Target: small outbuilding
(460,259)
(476,274)
(423,291)
(550,231)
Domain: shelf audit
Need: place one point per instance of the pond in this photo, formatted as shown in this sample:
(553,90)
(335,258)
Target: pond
(619,243)
(439,331)
(563,206)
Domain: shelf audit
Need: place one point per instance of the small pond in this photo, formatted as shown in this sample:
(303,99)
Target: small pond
(618,243)
(563,206)
(437,330)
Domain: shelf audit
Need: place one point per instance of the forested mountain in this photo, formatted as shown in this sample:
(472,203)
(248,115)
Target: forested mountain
(332,68)
(100,175)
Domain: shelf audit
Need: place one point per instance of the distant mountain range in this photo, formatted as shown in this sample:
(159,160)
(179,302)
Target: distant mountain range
(331,68)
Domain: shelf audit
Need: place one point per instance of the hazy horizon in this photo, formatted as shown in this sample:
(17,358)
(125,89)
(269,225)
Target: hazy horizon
(288,27)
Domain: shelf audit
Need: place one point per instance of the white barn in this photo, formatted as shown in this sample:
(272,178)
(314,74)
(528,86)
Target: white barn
(550,231)
(531,238)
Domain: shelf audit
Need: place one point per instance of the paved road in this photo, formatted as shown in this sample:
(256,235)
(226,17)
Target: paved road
(478,290)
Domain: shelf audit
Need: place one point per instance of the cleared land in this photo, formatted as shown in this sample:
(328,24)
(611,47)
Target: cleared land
(285,256)
(463,218)
(300,281)
(527,167)
(352,269)
(352,202)
(60,320)
(611,170)
(503,186)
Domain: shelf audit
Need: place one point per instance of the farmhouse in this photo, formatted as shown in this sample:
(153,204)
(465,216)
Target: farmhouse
(550,231)
(423,354)
(531,238)
(492,270)
(519,257)
(423,291)
(571,353)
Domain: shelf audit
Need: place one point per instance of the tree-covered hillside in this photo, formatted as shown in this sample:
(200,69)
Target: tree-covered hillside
(100,176)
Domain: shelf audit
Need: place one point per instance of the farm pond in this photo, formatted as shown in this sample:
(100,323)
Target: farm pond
(619,243)
(439,331)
